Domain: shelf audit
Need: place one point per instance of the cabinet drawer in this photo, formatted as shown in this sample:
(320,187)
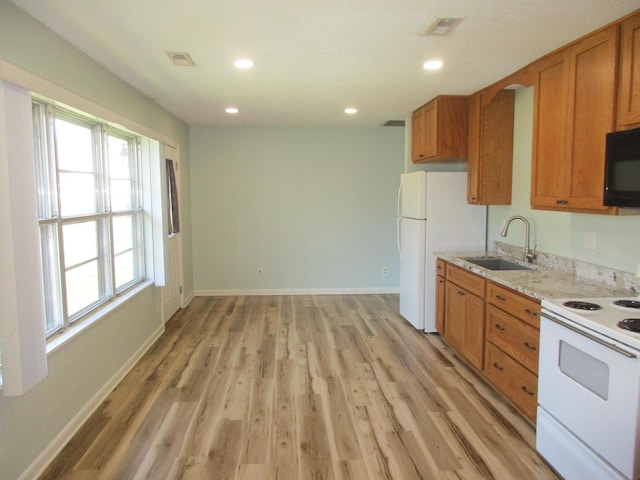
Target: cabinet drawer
(469,281)
(520,306)
(516,338)
(517,383)
(441,267)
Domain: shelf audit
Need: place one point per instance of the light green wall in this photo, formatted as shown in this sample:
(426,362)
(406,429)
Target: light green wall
(79,369)
(314,207)
(557,232)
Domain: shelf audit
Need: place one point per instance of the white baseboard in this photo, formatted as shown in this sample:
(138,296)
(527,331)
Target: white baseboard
(296,291)
(55,447)
(187,301)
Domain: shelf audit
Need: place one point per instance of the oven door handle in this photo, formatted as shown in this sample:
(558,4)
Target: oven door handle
(611,346)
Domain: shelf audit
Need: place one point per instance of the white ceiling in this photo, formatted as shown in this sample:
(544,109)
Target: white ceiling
(315,57)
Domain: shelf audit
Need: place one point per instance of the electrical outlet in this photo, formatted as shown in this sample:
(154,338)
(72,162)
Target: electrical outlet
(385,270)
(589,240)
(260,272)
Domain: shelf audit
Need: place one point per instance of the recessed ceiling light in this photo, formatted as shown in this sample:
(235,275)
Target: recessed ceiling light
(181,59)
(350,111)
(231,110)
(243,63)
(433,64)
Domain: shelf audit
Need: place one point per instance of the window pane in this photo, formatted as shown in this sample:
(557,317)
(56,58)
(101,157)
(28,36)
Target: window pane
(122,234)
(120,195)
(77,194)
(51,278)
(118,158)
(74,144)
(80,242)
(83,287)
(124,268)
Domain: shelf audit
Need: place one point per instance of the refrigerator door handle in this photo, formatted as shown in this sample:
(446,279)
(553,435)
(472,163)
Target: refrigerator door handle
(399,196)
(398,236)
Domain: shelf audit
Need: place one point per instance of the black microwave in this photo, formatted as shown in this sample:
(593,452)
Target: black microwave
(622,169)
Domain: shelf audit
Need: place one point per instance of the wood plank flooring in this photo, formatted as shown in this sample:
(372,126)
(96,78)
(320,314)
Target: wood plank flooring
(300,387)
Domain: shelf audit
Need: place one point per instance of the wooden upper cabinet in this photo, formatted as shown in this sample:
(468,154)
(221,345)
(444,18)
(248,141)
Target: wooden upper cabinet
(490,157)
(439,130)
(629,85)
(575,95)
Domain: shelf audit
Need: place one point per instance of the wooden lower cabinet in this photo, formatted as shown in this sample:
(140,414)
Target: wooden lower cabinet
(514,337)
(514,381)
(497,333)
(464,315)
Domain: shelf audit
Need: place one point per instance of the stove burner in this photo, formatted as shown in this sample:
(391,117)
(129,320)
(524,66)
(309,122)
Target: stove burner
(582,305)
(632,324)
(627,303)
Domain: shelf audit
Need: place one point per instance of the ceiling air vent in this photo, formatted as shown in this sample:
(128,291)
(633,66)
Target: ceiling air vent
(393,123)
(181,59)
(443,26)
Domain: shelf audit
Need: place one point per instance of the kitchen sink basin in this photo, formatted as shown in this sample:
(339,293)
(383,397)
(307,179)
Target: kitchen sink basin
(495,263)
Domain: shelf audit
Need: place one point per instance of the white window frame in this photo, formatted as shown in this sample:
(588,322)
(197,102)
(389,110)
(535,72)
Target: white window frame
(52,221)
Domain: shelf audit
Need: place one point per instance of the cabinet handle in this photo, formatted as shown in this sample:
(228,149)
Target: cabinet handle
(461,293)
(497,366)
(501,298)
(531,312)
(500,327)
(529,346)
(562,202)
(527,391)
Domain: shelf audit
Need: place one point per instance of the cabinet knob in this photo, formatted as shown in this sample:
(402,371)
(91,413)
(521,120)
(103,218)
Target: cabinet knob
(527,391)
(530,347)
(497,366)
(500,327)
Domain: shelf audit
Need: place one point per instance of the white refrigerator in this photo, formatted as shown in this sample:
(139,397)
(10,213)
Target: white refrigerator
(433,216)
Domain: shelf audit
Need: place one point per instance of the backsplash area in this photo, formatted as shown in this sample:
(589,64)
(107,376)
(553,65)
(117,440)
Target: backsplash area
(589,271)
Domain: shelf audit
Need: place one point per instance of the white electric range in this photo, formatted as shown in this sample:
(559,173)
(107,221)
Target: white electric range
(588,423)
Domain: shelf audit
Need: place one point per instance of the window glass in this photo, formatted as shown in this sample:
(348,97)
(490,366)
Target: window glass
(77,194)
(80,242)
(74,143)
(83,288)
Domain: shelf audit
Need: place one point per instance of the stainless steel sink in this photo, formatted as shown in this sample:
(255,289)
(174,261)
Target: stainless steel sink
(496,263)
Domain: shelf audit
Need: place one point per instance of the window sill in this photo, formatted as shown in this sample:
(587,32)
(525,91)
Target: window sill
(59,340)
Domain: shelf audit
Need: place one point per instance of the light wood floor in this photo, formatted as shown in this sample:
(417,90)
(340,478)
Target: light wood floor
(300,387)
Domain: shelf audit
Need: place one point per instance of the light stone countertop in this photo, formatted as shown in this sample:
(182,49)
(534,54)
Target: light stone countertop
(550,277)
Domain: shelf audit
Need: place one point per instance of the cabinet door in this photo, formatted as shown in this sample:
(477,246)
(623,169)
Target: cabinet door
(417,136)
(464,323)
(454,315)
(440,303)
(592,99)
(474,331)
(550,170)
(573,111)
(629,86)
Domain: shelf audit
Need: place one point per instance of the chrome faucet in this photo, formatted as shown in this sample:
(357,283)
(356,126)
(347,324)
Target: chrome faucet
(527,255)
